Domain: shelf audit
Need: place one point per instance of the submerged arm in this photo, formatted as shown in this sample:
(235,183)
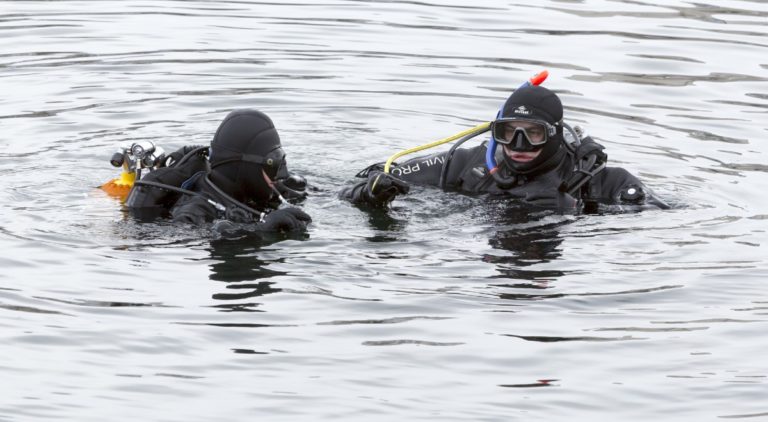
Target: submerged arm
(619,190)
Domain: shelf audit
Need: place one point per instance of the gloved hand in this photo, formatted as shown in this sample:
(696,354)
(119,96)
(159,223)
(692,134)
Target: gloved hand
(553,199)
(238,215)
(382,188)
(227,229)
(285,220)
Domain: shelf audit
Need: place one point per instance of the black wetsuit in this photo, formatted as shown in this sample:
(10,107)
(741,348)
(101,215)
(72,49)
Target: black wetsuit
(611,189)
(566,173)
(237,179)
(200,200)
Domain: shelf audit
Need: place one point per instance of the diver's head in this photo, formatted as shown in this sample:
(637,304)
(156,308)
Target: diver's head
(529,127)
(246,156)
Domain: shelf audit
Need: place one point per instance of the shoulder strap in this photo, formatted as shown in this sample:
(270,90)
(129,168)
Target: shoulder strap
(590,160)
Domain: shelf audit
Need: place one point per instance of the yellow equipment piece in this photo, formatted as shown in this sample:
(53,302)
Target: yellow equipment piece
(120,186)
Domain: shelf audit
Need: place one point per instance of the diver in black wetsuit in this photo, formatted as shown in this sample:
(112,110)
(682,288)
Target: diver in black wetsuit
(244,181)
(540,165)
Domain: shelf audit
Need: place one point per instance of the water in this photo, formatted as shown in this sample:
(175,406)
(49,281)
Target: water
(448,307)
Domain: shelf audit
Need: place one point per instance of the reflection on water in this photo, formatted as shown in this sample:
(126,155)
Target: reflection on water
(238,260)
(387,227)
(447,307)
(531,240)
(532,246)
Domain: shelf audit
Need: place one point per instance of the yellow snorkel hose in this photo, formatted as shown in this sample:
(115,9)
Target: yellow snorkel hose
(477,129)
(471,131)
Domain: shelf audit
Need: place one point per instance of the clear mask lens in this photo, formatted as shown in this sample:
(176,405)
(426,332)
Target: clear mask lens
(505,131)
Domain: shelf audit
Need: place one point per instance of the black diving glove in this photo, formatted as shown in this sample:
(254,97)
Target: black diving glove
(382,188)
(553,199)
(285,220)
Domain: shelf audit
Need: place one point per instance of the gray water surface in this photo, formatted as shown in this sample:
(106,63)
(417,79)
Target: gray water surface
(446,308)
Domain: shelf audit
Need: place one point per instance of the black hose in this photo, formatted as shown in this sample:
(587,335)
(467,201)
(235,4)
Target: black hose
(232,201)
(166,187)
(449,156)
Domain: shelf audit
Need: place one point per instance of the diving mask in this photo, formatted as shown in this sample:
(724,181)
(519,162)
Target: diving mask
(517,132)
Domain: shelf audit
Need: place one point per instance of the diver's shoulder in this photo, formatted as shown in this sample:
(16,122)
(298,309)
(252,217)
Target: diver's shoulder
(617,174)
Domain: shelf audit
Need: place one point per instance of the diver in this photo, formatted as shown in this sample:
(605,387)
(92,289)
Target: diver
(544,163)
(239,181)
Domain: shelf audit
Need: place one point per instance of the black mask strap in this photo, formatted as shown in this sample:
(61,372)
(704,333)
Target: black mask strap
(272,162)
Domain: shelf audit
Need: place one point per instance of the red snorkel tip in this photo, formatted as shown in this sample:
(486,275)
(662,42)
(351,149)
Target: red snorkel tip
(538,78)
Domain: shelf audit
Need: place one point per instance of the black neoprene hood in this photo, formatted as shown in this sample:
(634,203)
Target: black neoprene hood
(534,102)
(239,152)
(244,132)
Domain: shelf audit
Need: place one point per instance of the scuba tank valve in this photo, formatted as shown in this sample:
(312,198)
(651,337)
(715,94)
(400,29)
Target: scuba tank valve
(132,158)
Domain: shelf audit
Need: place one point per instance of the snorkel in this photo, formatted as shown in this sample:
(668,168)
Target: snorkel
(490,153)
(464,136)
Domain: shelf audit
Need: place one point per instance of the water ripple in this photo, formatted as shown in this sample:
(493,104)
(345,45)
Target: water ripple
(557,339)
(402,342)
(396,320)
(667,79)
(30,309)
